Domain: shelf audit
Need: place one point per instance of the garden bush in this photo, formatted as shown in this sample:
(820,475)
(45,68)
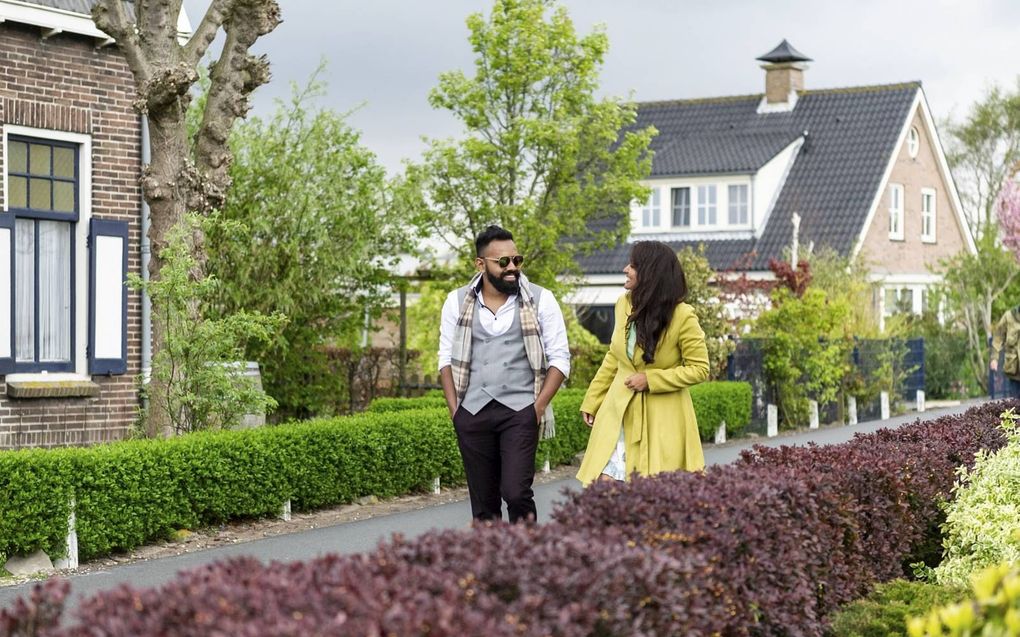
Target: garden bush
(714,402)
(982,526)
(992,611)
(884,613)
(131,492)
(770,545)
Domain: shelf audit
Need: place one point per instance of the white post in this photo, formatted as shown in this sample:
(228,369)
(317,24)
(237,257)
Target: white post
(920,400)
(885,405)
(773,421)
(285,511)
(720,433)
(813,414)
(851,408)
(545,466)
(435,485)
(71,561)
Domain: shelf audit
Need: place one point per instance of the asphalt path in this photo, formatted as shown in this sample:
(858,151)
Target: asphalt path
(364,535)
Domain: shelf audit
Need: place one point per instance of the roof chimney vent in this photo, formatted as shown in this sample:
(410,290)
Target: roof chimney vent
(784,76)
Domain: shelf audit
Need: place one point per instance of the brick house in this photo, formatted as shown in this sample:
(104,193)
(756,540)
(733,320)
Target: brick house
(70,229)
(859,169)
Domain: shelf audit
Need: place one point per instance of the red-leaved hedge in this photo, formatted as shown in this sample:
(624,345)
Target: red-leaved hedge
(770,545)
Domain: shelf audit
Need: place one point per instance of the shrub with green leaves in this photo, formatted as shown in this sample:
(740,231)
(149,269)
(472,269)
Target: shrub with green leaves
(982,526)
(807,353)
(132,492)
(197,383)
(884,613)
(993,611)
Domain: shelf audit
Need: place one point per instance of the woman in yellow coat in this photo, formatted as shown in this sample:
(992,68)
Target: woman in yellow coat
(638,405)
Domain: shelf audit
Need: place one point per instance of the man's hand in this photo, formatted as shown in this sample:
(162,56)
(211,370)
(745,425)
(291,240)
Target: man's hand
(994,365)
(540,407)
(589,419)
(637,382)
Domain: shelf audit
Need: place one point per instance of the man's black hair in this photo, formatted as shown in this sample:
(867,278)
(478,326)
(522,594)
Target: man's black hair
(490,234)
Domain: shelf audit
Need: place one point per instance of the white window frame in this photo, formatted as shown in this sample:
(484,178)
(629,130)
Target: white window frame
(747,206)
(690,207)
(928,217)
(81,235)
(697,187)
(896,217)
(707,210)
(650,209)
(913,142)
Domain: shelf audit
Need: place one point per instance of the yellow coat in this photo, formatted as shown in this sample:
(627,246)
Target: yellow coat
(660,428)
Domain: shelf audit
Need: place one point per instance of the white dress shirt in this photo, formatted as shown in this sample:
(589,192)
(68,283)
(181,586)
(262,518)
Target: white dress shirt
(550,321)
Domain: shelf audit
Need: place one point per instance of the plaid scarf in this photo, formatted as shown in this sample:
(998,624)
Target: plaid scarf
(460,363)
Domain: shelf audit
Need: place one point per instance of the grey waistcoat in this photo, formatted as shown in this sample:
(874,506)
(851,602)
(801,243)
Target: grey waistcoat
(499,365)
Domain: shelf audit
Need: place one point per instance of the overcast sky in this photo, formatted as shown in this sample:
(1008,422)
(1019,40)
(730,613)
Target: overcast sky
(384,56)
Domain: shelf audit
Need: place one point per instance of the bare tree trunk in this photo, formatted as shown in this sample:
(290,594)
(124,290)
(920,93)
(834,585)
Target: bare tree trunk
(176,180)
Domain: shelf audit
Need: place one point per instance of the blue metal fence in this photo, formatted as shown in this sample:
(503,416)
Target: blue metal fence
(746,363)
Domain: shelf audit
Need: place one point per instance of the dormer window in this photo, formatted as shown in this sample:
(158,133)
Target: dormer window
(707,205)
(651,215)
(913,142)
(738,204)
(681,207)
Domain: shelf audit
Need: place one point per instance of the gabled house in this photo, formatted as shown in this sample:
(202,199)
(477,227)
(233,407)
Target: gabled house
(71,333)
(859,169)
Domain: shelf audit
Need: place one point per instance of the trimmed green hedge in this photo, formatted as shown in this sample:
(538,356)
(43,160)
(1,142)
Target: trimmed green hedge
(714,402)
(132,492)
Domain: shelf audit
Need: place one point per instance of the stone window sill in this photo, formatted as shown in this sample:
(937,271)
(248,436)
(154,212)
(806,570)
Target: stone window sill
(50,386)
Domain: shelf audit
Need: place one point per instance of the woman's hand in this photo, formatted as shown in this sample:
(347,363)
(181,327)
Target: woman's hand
(637,382)
(589,419)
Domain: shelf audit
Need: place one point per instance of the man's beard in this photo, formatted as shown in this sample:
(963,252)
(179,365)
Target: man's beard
(504,286)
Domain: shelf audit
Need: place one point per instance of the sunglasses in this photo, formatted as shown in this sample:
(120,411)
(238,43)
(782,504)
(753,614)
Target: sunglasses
(505,261)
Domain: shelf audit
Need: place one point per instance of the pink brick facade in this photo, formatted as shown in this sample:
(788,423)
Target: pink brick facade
(911,255)
(65,83)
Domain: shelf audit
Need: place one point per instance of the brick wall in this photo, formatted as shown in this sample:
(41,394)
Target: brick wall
(65,83)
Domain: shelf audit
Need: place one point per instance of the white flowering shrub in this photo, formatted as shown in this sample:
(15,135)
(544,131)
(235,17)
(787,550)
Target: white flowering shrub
(982,526)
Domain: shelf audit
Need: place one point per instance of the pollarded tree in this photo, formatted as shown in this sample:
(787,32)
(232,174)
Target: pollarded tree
(179,180)
(541,155)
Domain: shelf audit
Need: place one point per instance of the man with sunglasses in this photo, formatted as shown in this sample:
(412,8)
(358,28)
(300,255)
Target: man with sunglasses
(503,354)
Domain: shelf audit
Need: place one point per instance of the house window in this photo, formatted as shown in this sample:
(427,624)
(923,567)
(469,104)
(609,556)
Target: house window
(650,214)
(42,194)
(899,301)
(681,207)
(738,205)
(896,212)
(927,215)
(913,142)
(706,205)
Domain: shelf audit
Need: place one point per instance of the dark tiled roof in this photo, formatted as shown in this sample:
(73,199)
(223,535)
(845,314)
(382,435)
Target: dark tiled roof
(850,135)
(77,6)
(722,255)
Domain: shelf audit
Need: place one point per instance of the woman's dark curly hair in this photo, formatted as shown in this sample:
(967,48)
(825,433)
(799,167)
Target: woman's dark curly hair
(661,285)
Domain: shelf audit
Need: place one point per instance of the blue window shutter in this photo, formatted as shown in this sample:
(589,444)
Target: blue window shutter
(6,292)
(108,296)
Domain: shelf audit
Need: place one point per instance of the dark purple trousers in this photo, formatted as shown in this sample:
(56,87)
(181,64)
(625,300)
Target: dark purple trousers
(498,447)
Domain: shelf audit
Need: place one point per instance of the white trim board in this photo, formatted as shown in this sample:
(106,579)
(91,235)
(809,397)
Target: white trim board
(56,21)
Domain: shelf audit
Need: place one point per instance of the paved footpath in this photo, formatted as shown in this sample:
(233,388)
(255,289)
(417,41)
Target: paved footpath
(356,537)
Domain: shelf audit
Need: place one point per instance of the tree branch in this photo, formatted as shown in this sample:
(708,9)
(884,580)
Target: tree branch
(206,31)
(111,18)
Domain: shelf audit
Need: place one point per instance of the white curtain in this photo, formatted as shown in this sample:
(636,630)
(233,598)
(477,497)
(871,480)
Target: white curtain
(54,302)
(24,283)
(54,291)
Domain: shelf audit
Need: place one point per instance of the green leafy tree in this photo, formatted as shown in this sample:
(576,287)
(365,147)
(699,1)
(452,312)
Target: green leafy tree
(806,349)
(541,155)
(186,174)
(199,383)
(984,151)
(974,287)
(311,235)
(711,313)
